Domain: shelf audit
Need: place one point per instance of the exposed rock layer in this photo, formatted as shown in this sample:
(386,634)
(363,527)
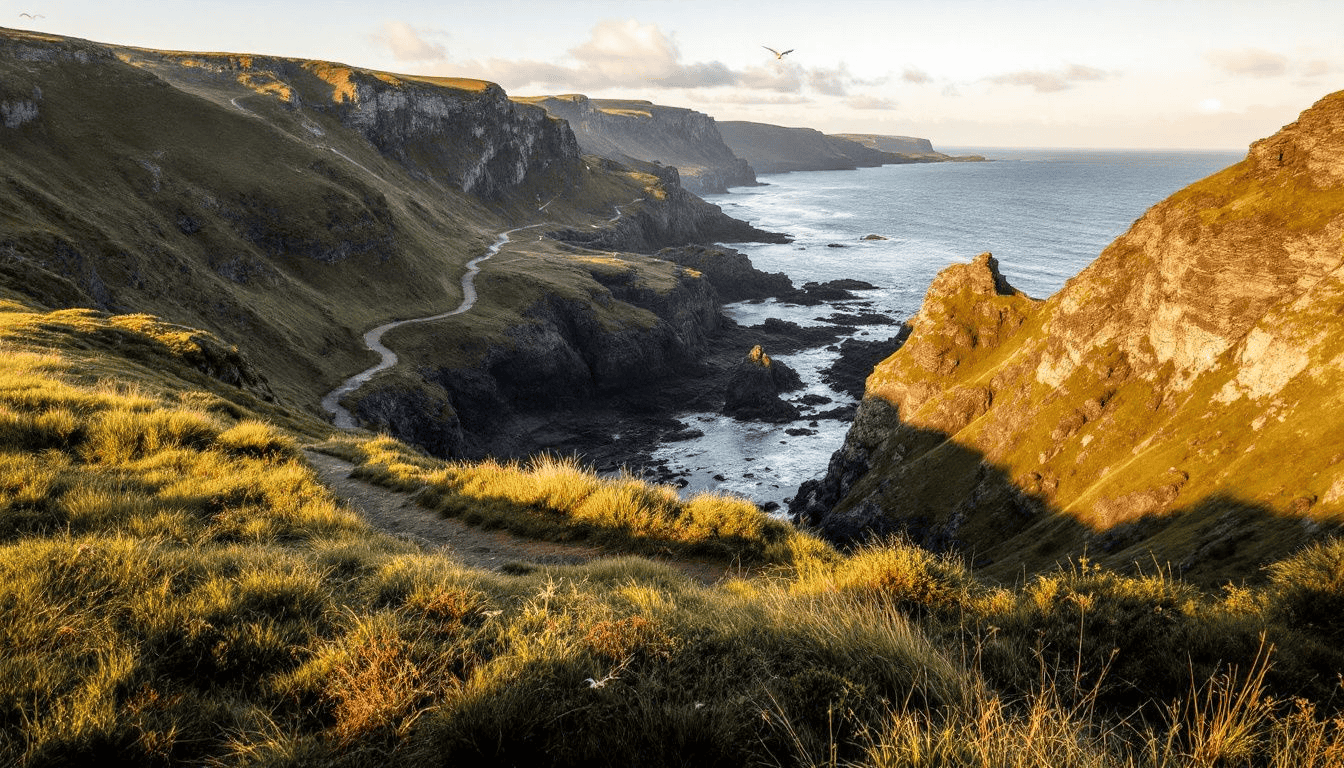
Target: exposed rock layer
(1175,397)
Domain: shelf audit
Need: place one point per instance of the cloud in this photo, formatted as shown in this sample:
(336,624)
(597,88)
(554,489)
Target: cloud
(870,102)
(632,54)
(754,97)
(1248,62)
(830,82)
(1210,106)
(1316,68)
(916,76)
(1051,81)
(407,44)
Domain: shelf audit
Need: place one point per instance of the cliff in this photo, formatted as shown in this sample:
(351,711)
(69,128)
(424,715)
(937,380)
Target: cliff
(1174,401)
(626,130)
(777,149)
(288,206)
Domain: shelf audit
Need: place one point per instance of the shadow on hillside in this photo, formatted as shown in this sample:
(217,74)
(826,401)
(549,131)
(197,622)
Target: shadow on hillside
(948,497)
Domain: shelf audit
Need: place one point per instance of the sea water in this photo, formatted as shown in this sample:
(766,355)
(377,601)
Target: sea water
(1044,214)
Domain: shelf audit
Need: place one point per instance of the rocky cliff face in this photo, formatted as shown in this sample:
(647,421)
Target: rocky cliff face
(465,133)
(668,216)
(1175,398)
(777,149)
(640,130)
(568,354)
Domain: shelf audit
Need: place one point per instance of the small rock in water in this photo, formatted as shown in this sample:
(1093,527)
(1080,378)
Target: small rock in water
(720,478)
(800,431)
(836,245)
(874,237)
(769,506)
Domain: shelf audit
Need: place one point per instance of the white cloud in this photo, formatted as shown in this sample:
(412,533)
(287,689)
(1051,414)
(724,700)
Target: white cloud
(406,43)
(1046,81)
(632,54)
(916,76)
(1248,62)
(1316,68)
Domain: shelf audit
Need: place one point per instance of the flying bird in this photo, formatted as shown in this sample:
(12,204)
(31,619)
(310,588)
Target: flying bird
(31,16)
(778,55)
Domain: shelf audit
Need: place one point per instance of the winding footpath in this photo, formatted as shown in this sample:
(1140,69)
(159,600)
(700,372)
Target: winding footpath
(342,417)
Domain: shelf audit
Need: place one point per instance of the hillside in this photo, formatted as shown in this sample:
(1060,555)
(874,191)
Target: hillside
(290,205)
(778,149)
(1174,401)
(907,149)
(626,130)
(181,584)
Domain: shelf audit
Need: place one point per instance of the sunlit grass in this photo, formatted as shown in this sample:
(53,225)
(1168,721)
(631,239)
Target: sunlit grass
(177,587)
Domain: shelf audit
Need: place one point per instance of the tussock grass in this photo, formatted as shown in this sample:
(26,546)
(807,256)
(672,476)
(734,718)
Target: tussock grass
(557,498)
(176,588)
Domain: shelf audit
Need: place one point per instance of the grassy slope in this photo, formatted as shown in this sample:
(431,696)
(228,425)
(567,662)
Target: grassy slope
(274,226)
(176,587)
(1199,470)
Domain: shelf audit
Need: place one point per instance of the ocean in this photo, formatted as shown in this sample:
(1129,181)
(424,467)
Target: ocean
(1044,214)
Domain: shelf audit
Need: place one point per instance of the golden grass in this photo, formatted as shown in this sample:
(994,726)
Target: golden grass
(176,587)
(557,498)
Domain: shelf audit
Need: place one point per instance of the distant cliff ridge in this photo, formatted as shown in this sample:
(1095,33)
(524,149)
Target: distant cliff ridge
(779,149)
(1179,397)
(625,130)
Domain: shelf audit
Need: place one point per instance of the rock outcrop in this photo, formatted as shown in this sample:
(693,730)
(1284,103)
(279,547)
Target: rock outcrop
(671,216)
(730,272)
(465,133)
(753,392)
(1174,400)
(568,353)
(625,130)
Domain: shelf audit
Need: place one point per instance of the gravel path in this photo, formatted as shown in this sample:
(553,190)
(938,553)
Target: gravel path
(395,513)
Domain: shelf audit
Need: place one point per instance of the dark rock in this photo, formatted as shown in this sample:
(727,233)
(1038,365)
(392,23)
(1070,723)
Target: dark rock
(812,294)
(672,217)
(800,431)
(874,237)
(754,387)
(417,413)
(857,360)
(836,245)
(811,399)
(729,271)
(862,318)
(843,413)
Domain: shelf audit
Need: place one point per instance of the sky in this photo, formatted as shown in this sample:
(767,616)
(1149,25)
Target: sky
(1174,74)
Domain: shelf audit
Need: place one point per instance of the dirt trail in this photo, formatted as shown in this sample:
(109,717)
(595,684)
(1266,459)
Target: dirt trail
(395,513)
(374,338)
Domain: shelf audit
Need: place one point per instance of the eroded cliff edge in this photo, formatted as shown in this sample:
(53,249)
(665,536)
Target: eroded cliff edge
(1175,402)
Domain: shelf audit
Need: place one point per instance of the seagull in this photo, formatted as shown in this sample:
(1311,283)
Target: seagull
(778,55)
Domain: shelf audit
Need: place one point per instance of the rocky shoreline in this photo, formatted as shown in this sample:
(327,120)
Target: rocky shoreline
(569,387)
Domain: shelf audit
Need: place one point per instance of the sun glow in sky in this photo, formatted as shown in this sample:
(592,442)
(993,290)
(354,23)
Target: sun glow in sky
(1042,73)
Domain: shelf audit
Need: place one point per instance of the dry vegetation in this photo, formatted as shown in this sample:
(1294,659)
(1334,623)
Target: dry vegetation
(175,587)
